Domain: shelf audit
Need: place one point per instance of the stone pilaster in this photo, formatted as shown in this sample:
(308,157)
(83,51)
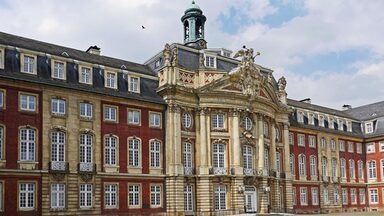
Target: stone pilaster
(263,196)
(175,195)
(260,143)
(203,169)
(237,196)
(235,147)
(204,194)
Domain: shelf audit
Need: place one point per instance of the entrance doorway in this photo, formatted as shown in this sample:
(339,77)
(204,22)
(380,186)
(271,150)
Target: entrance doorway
(250,199)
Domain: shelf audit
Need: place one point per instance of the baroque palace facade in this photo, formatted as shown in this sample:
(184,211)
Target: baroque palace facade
(192,131)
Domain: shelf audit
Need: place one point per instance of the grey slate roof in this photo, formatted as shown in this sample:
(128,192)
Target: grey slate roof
(367,112)
(57,50)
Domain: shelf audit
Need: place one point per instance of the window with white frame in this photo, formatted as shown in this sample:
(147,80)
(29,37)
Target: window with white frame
(381,143)
(29,64)
(336,196)
(110,195)
(155,151)
(369,127)
(321,121)
(210,61)
(290,138)
(371,169)
(341,145)
(1,58)
(382,169)
(294,198)
(27,194)
(312,141)
(349,126)
(266,160)
(333,144)
(86,194)
(302,165)
(133,117)
(311,119)
(218,155)
(292,163)
(188,155)
(247,157)
(187,120)
(134,195)
(278,163)
(58,146)
(353,195)
(334,167)
(110,113)
(85,75)
(324,166)
(58,106)
(58,70)
(370,147)
(86,110)
(58,196)
(110,145)
(344,196)
(313,167)
(247,123)
(266,129)
(86,148)
(300,116)
(27,144)
(1,144)
(188,198)
(343,168)
(350,147)
(217,121)
(220,197)
(373,196)
(134,84)
(111,80)
(331,123)
(326,195)
(301,139)
(362,195)
(351,169)
(28,102)
(155,196)
(2,99)
(360,168)
(134,152)
(303,196)
(154,119)
(315,196)
(323,143)
(340,125)
(358,148)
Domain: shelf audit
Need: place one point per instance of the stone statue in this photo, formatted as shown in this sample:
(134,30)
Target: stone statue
(282,83)
(174,57)
(202,60)
(167,55)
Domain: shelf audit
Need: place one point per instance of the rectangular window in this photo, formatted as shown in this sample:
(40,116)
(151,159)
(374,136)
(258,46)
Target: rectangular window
(371,169)
(86,195)
(58,71)
(248,157)
(27,195)
(27,144)
(290,138)
(210,61)
(311,119)
(110,195)
(110,113)
(155,196)
(28,102)
(331,123)
(303,196)
(344,196)
(300,117)
(360,167)
(294,196)
(85,75)
(334,166)
(134,117)
(188,161)
(382,169)
(154,119)
(134,196)
(326,195)
(1,58)
(292,163)
(28,64)
(110,143)
(218,156)
(358,148)
(343,166)
(381,143)
(370,147)
(336,196)
(350,147)
(353,195)
(58,106)
(217,121)
(362,195)
(333,144)
(323,143)
(58,150)
(341,145)
(2,99)
(373,196)
(134,152)
(155,154)
(58,196)
(134,84)
(313,165)
(188,198)
(86,110)
(369,127)
(312,141)
(315,196)
(111,80)
(302,165)
(351,169)
(220,197)
(86,148)
(1,143)
(301,139)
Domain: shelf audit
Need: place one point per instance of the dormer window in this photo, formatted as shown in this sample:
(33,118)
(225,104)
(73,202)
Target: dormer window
(157,63)
(210,61)
(341,125)
(369,127)
(111,80)
(349,126)
(28,64)
(331,123)
(300,116)
(85,75)
(134,84)
(1,58)
(311,119)
(58,70)
(321,121)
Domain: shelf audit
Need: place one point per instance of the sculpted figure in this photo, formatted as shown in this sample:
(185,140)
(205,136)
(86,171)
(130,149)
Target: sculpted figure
(174,60)
(282,83)
(167,55)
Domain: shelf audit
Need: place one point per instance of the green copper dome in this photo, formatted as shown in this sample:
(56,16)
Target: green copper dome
(193,7)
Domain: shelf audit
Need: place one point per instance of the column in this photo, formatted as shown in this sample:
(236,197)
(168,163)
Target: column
(203,169)
(272,152)
(236,148)
(177,141)
(288,175)
(275,195)
(260,126)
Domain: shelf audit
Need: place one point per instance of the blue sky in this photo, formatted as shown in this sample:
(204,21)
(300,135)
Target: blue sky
(330,51)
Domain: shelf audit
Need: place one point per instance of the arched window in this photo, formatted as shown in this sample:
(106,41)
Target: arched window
(247,123)
(134,146)
(342,168)
(155,153)
(86,148)
(360,167)
(187,120)
(324,166)
(351,169)
(292,163)
(27,144)
(110,143)
(371,169)
(313,166)
(188,162)
(58,149)
(302,165)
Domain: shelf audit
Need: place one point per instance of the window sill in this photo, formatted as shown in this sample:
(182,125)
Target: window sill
(111,168)
(88,119)
(57,209)
(59,115)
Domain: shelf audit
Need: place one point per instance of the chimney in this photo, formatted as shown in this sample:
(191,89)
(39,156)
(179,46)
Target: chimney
(346,107)
(306,100)
(93,50)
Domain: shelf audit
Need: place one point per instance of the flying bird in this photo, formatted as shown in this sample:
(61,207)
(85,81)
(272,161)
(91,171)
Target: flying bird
(142,27)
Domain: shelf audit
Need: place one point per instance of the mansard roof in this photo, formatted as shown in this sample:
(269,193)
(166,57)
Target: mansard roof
(367,112)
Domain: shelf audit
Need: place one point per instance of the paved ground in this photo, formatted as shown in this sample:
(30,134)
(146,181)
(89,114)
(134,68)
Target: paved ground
(333,214)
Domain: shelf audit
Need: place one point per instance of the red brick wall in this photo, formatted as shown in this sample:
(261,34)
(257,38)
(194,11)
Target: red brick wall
(310,206)
(356,157)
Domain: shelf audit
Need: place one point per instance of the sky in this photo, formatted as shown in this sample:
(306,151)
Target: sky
(329,51)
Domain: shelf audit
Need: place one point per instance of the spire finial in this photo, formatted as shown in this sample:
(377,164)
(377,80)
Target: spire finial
(193,1)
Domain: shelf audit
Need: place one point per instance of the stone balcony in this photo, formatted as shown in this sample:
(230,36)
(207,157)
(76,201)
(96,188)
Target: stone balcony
(86,168)
(58,167)
(218,171)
